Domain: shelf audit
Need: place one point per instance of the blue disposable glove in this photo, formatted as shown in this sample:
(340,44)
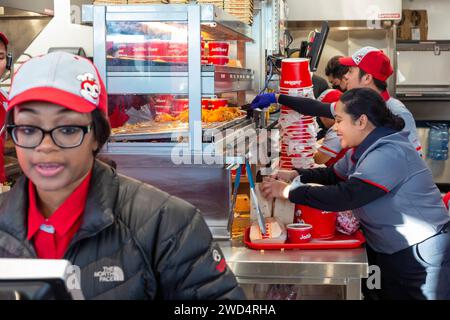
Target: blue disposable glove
(263,101)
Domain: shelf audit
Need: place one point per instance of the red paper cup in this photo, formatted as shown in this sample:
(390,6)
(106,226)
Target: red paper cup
(164,99)
(217,60)
(299,232)
(162,109)
(295,73)
(205,103)
(179,105)
(156,48)
(177,49)
(218,103)
(323,222)
(218,48)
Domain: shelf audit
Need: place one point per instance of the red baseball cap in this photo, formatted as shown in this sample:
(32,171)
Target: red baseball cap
(372,61)
(4,39)
(330,96)
(61,78)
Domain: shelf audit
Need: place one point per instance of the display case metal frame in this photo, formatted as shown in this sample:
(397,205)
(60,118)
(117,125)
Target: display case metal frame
(197,80)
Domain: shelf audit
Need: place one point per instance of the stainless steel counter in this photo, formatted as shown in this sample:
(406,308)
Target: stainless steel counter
(303,267)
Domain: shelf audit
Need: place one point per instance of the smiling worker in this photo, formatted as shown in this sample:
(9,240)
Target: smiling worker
(390,190)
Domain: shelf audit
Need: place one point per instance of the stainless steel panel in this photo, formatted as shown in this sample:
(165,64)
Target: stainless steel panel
(427,109)
(222,25)
(305,267)
(206,187)
(21,27)
(38,6)
(301,10)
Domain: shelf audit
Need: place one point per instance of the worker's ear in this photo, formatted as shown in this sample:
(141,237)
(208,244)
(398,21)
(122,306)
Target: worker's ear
(367,79)
(362,122)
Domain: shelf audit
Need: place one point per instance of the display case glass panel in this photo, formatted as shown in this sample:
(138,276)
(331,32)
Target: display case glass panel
(165,117)
(146,46)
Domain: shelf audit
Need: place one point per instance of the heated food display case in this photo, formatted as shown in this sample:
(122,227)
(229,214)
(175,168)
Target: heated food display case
(176,76)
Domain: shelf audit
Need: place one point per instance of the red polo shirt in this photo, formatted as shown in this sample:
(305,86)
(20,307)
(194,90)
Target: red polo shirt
(52,236)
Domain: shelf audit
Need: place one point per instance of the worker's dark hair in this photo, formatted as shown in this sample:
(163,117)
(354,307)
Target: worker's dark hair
(367,101)
(102,129)
(100,124)
(381,85)
(335,69)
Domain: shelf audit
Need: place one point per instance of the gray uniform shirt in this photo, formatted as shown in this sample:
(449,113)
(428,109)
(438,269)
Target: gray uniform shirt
(412,209)
(331,144)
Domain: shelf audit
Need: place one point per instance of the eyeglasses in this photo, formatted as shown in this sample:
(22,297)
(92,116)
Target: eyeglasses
(65,137)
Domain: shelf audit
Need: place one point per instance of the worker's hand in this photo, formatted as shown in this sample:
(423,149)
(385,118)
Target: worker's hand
(263,101)
(271,188)
(285,175)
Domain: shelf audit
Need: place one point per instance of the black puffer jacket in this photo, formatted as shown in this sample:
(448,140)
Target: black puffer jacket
(135,242)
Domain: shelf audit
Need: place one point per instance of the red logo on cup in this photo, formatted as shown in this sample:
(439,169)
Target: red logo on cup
(299,232)
(295,73)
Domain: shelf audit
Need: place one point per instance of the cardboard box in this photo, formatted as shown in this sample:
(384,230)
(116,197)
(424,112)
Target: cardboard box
(413,26)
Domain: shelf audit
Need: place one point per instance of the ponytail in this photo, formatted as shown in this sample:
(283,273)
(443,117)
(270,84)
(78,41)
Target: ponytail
(367,101)
(394,122)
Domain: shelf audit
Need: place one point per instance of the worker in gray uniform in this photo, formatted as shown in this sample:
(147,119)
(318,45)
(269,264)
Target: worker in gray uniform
(390,189)
(369,67)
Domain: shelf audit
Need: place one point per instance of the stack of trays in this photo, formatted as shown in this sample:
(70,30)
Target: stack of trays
(242,9)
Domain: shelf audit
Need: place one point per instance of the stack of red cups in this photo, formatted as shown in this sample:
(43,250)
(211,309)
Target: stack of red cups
(298,132)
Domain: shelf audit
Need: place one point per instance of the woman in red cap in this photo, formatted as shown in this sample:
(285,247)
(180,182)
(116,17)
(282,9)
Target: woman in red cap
(129,240)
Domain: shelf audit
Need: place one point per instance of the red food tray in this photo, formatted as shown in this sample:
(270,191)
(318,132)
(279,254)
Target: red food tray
(357,240)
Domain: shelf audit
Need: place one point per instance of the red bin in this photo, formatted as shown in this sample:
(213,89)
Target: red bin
(323,222)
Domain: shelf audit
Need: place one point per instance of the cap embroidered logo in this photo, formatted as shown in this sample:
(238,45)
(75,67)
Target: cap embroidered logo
(90,90)
(361,53)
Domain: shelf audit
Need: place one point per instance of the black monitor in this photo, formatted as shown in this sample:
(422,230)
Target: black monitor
(315,49)
(39,279)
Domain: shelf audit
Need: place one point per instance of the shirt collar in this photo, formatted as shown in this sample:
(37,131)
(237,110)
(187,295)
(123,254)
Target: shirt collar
(65,216)
(386,96)
(373,137)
